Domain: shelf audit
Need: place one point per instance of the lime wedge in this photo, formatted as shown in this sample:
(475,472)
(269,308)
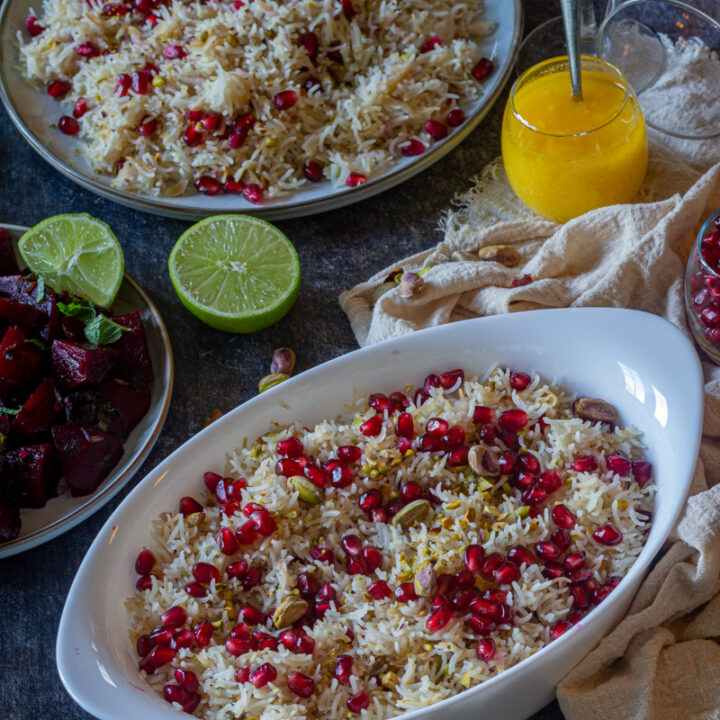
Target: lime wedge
(235,272)
(77,253)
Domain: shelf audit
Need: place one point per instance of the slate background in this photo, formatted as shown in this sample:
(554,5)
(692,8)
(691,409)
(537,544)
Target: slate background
(213,369)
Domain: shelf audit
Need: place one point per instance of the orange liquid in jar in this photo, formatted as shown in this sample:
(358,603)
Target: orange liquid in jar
(564,156)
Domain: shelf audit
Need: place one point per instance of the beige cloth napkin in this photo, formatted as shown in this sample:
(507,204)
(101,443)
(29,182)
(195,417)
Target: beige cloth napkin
(663,661)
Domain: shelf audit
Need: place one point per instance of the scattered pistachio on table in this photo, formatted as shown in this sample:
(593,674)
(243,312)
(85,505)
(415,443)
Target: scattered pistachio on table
(215,414)
(271,380)
(411,284)
(380,290)
(504,254)
(283,361)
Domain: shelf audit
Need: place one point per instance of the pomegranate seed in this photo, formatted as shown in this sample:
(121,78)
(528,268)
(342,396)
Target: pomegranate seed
(174,52)
(506,461)
(227,541)
(326,593)
(507,573)
(152,19)
(140,82)
(195,589)
(394,506)
(354,179)
(575,617)
(608,535)
(486,649)
(203,632)
(618,463)
(360,701)
(642,472)
(313,171)
(455,117)
(211,480)
(352,545)
(302,685)
(520,555)
(370,499)
(341,476)
(548,550)
(578,577)
(315,475)
(291,447)
(322,554)
(144,645)
(474,556)
(498,596)
(190,703)
(403,445)
(379,590)
(410,491)
(437,620)
(405,592)
(482,70)
(373,558)
(574,561)
(481,606)
(431,43)
(237,139)
(483,415)
(174,617)
(309,41)
(349,453)
(263,675)
(451,380)
(458,458)
(287,467)
(464,579)
(68,125)
(205,573)
(513,420)
(145,582)
(242,674)
(380,403)
(264,522)
(343,669)
(145,562)
(560,628)
(33,26)
(307,584)
(584,463)
(81,107)
(247,534)
(462,599)
(562,516)
(238,646)
(456,437)
(58,89)
(440,602)
(233,187)
(412,148)
(710,317)
(550,481)
(379,515)
(285,100)
(192,136)
(252,616)
(305,644)
(233,507)
(552,570)
(186,679)
(405,425)
(148,128)
(481,624)
(372,427)
(161,655)
(561,539)
(348,9)
(211,122)
(241,630)
(521,281)
(519,381)
(189,505)
(490,564)
(525,481)
(122,84)
(208,185)
(161,636)
(436,427)
(445,584)
(528,462)
(436,129)
(173,693)
(614,581)
(534,496)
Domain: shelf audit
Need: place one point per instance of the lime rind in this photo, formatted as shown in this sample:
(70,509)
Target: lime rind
(235,272)
(77,253)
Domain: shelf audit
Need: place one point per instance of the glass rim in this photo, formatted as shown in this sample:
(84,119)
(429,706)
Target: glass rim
(564,59)
(701,235)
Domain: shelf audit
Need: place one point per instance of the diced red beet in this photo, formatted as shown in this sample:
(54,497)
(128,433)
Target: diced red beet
(134,363)
(81,408)
(73,328)
(87,455)
(38,414)
(26,317)
(22,365)
(4,432)
(75,365)
(121,406)
(32,474)
(8,263)
(24,289)
(9,519)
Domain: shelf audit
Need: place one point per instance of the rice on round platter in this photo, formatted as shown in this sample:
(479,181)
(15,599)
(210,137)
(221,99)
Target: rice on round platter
(382,562)
(255,97)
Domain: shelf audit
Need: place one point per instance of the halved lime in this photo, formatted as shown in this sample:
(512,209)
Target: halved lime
(77,253)
(235,272)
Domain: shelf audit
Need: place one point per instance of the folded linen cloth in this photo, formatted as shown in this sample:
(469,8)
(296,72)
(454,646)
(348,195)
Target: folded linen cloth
(662,662)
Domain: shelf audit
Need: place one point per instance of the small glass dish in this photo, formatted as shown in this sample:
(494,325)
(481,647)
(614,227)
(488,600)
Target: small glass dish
(702,288)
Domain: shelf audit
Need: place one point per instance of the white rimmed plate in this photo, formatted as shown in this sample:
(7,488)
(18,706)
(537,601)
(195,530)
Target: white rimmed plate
(33,112)
(62,513)
(608,353)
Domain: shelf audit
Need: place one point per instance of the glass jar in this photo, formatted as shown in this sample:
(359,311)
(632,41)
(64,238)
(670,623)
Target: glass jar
(702,288)
(563,156)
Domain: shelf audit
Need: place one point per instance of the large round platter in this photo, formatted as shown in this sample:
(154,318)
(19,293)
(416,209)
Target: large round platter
(65,512)
(30,110)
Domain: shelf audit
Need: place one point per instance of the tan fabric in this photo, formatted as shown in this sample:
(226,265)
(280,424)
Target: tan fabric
(663,661)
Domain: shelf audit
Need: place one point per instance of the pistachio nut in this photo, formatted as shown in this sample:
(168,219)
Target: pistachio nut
(271,380)
(475,454)
(504,254)
(412,512)
(283,361)
(380,290)
(595,410)
(307,490)
(389,680)
(411,284)
(425,580)
(462,256)
(289,611)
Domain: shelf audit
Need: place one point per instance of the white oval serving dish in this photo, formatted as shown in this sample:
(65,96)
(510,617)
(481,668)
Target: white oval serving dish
(639,362)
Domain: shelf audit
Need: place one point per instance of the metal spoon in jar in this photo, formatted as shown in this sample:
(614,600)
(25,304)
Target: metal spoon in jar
(571,14)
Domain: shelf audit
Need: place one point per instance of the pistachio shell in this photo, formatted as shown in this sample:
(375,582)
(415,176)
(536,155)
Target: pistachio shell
(289,611)
(475,454)
(283,361)
(271,380)
(504,254)
(462,256)
(595,410)
(425,580)
(380,290)
(411,284)
(416,510)
(307,490)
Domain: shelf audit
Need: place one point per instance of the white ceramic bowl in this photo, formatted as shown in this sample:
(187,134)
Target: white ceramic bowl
(638,362)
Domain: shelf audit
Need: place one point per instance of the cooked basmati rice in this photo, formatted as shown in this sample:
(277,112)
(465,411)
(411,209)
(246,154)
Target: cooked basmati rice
(367,103)
(387,635)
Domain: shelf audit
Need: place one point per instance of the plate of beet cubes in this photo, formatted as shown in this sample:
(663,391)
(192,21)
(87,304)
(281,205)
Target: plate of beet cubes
(77,417)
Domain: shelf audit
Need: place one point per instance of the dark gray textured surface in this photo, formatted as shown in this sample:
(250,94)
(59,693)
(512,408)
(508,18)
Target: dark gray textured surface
(337,250)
